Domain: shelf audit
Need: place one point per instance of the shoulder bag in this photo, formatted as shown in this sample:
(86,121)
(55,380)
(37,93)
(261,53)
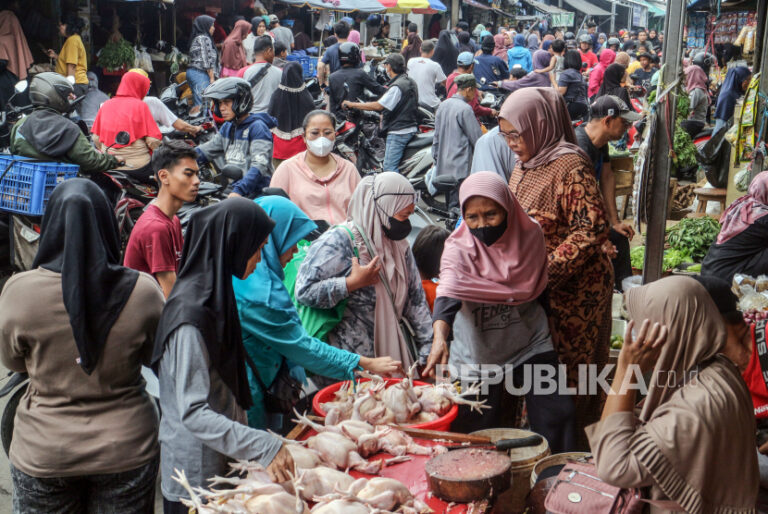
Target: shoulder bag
(578,489)
(283,393)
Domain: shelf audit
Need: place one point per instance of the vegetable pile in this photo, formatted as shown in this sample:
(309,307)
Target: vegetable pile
(672,258)
(117,54)
(617,342)
(693,236)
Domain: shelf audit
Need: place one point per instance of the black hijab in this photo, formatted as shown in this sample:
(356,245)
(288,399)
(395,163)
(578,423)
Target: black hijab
(79,238)
(445,52)
(291,102)
(201,27)
(219,241)
(612,83)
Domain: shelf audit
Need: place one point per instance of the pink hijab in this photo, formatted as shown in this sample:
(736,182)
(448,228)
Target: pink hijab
(13,45)
(354,37)
(746,210)
(511,271)
(607,57)
(499,48)
(541,117)
(695,78)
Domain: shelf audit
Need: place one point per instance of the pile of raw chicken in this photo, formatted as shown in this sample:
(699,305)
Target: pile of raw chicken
(401,403)
(323,461)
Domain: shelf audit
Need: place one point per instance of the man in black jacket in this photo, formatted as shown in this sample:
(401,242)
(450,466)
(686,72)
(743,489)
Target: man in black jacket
(349,82)
(400,103)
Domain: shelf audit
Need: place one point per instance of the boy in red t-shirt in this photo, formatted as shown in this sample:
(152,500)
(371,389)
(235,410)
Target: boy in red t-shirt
(156,242)
(427,251)
(588,57)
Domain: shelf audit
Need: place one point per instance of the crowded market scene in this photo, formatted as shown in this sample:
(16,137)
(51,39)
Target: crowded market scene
(383,256)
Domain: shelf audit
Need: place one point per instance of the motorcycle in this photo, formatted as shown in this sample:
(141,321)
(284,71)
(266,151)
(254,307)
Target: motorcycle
(443,184)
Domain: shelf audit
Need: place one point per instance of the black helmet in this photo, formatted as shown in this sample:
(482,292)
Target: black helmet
(570,44)
(585,38)
(704,60)
(569,35)
(52,90)
(349,53)
(613,41)
(238,90)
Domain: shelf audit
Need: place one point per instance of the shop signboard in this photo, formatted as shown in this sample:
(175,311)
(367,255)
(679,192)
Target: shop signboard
(639,16)
(562,19)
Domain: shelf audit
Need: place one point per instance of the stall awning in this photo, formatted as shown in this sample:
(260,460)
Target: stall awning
(504,13)
(339,5)
(476,4)
(540,6)
(587,8)
(416,6)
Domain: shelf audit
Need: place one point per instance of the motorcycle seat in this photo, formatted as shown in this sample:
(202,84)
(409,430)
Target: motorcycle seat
(420,140)
(207,188)
(445,183)
(705,132)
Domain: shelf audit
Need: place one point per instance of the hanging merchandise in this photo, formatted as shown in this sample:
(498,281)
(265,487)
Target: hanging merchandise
(747,120)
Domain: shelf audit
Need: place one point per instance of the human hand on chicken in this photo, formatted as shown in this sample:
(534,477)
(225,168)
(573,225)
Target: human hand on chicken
(384,366)
(281,467)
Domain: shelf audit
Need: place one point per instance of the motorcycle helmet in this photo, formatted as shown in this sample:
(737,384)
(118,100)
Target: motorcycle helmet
(569,35)
(704,60)
(570,44)
(613,41)
(49,89)
(238,90)
(585,38)
(349,53)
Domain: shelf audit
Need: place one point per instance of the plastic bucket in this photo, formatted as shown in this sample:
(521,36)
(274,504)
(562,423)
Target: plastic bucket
(523,461)
(442,424)
(557,459)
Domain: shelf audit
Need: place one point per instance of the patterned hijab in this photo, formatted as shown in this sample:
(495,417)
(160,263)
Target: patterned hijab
(746,210)
(541,117)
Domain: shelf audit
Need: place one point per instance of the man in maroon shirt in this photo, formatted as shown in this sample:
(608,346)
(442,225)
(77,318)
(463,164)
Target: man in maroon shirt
(156,242)
(465,63)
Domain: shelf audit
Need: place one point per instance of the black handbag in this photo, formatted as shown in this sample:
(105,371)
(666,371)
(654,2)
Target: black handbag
(283,393)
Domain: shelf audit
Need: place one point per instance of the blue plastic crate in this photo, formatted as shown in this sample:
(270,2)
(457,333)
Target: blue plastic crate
(308,64)
(27,184)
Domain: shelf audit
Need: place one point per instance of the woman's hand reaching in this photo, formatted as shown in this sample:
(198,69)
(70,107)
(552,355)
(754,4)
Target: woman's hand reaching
(363,276)
(384,366)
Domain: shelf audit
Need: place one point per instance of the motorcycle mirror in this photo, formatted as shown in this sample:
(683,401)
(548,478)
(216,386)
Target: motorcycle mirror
(232,172)
(122,138)
(21,86)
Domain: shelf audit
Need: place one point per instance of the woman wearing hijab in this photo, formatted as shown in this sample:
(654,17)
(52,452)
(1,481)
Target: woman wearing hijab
(572,86)
(14,51)
(289,105)
(233,56)
(541,61)
(445,52)
(500,46)
(258,28)
(72,448)
(203,59)
(697,86)
(378,218)
(272,330)
(126,111)
(533,42)
(204,389)
(555,183)
(319,182)
(496,263)
(519,54)
(697,404)
(354,37)
(613,78)
(735,84)
(605,59)
(740,245)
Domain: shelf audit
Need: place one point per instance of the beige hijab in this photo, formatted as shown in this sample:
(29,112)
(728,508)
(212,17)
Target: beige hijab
(375,199)
(698,437)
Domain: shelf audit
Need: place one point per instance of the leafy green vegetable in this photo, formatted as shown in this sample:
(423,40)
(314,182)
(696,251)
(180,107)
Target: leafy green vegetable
(672,258)
(637,257)
(693,236)
(115,55)
(696,268)
(685,150)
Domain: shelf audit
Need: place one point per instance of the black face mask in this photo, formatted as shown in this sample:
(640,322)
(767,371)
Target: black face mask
(489,235)
(398,230)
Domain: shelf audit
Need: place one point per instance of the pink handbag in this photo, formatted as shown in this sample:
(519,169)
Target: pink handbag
(578,489)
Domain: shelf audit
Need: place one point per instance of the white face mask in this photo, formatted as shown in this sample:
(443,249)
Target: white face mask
(320,147)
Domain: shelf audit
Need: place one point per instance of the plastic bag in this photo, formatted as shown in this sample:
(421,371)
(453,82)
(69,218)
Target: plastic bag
(144,60)
(741,180)
(754,302)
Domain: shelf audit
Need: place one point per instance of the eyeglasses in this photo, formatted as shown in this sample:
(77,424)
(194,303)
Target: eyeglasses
(512,137)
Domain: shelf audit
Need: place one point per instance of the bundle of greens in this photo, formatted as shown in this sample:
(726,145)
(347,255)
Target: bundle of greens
(116,55)
(693,236)
(671,260)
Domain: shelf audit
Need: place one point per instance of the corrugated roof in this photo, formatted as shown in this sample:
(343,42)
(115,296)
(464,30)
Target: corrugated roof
(587,8)
(541,6)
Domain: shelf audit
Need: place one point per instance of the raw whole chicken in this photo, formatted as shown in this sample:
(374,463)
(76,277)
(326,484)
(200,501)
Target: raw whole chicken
(339,451)
(321,481)
(304,458)
(341,506)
